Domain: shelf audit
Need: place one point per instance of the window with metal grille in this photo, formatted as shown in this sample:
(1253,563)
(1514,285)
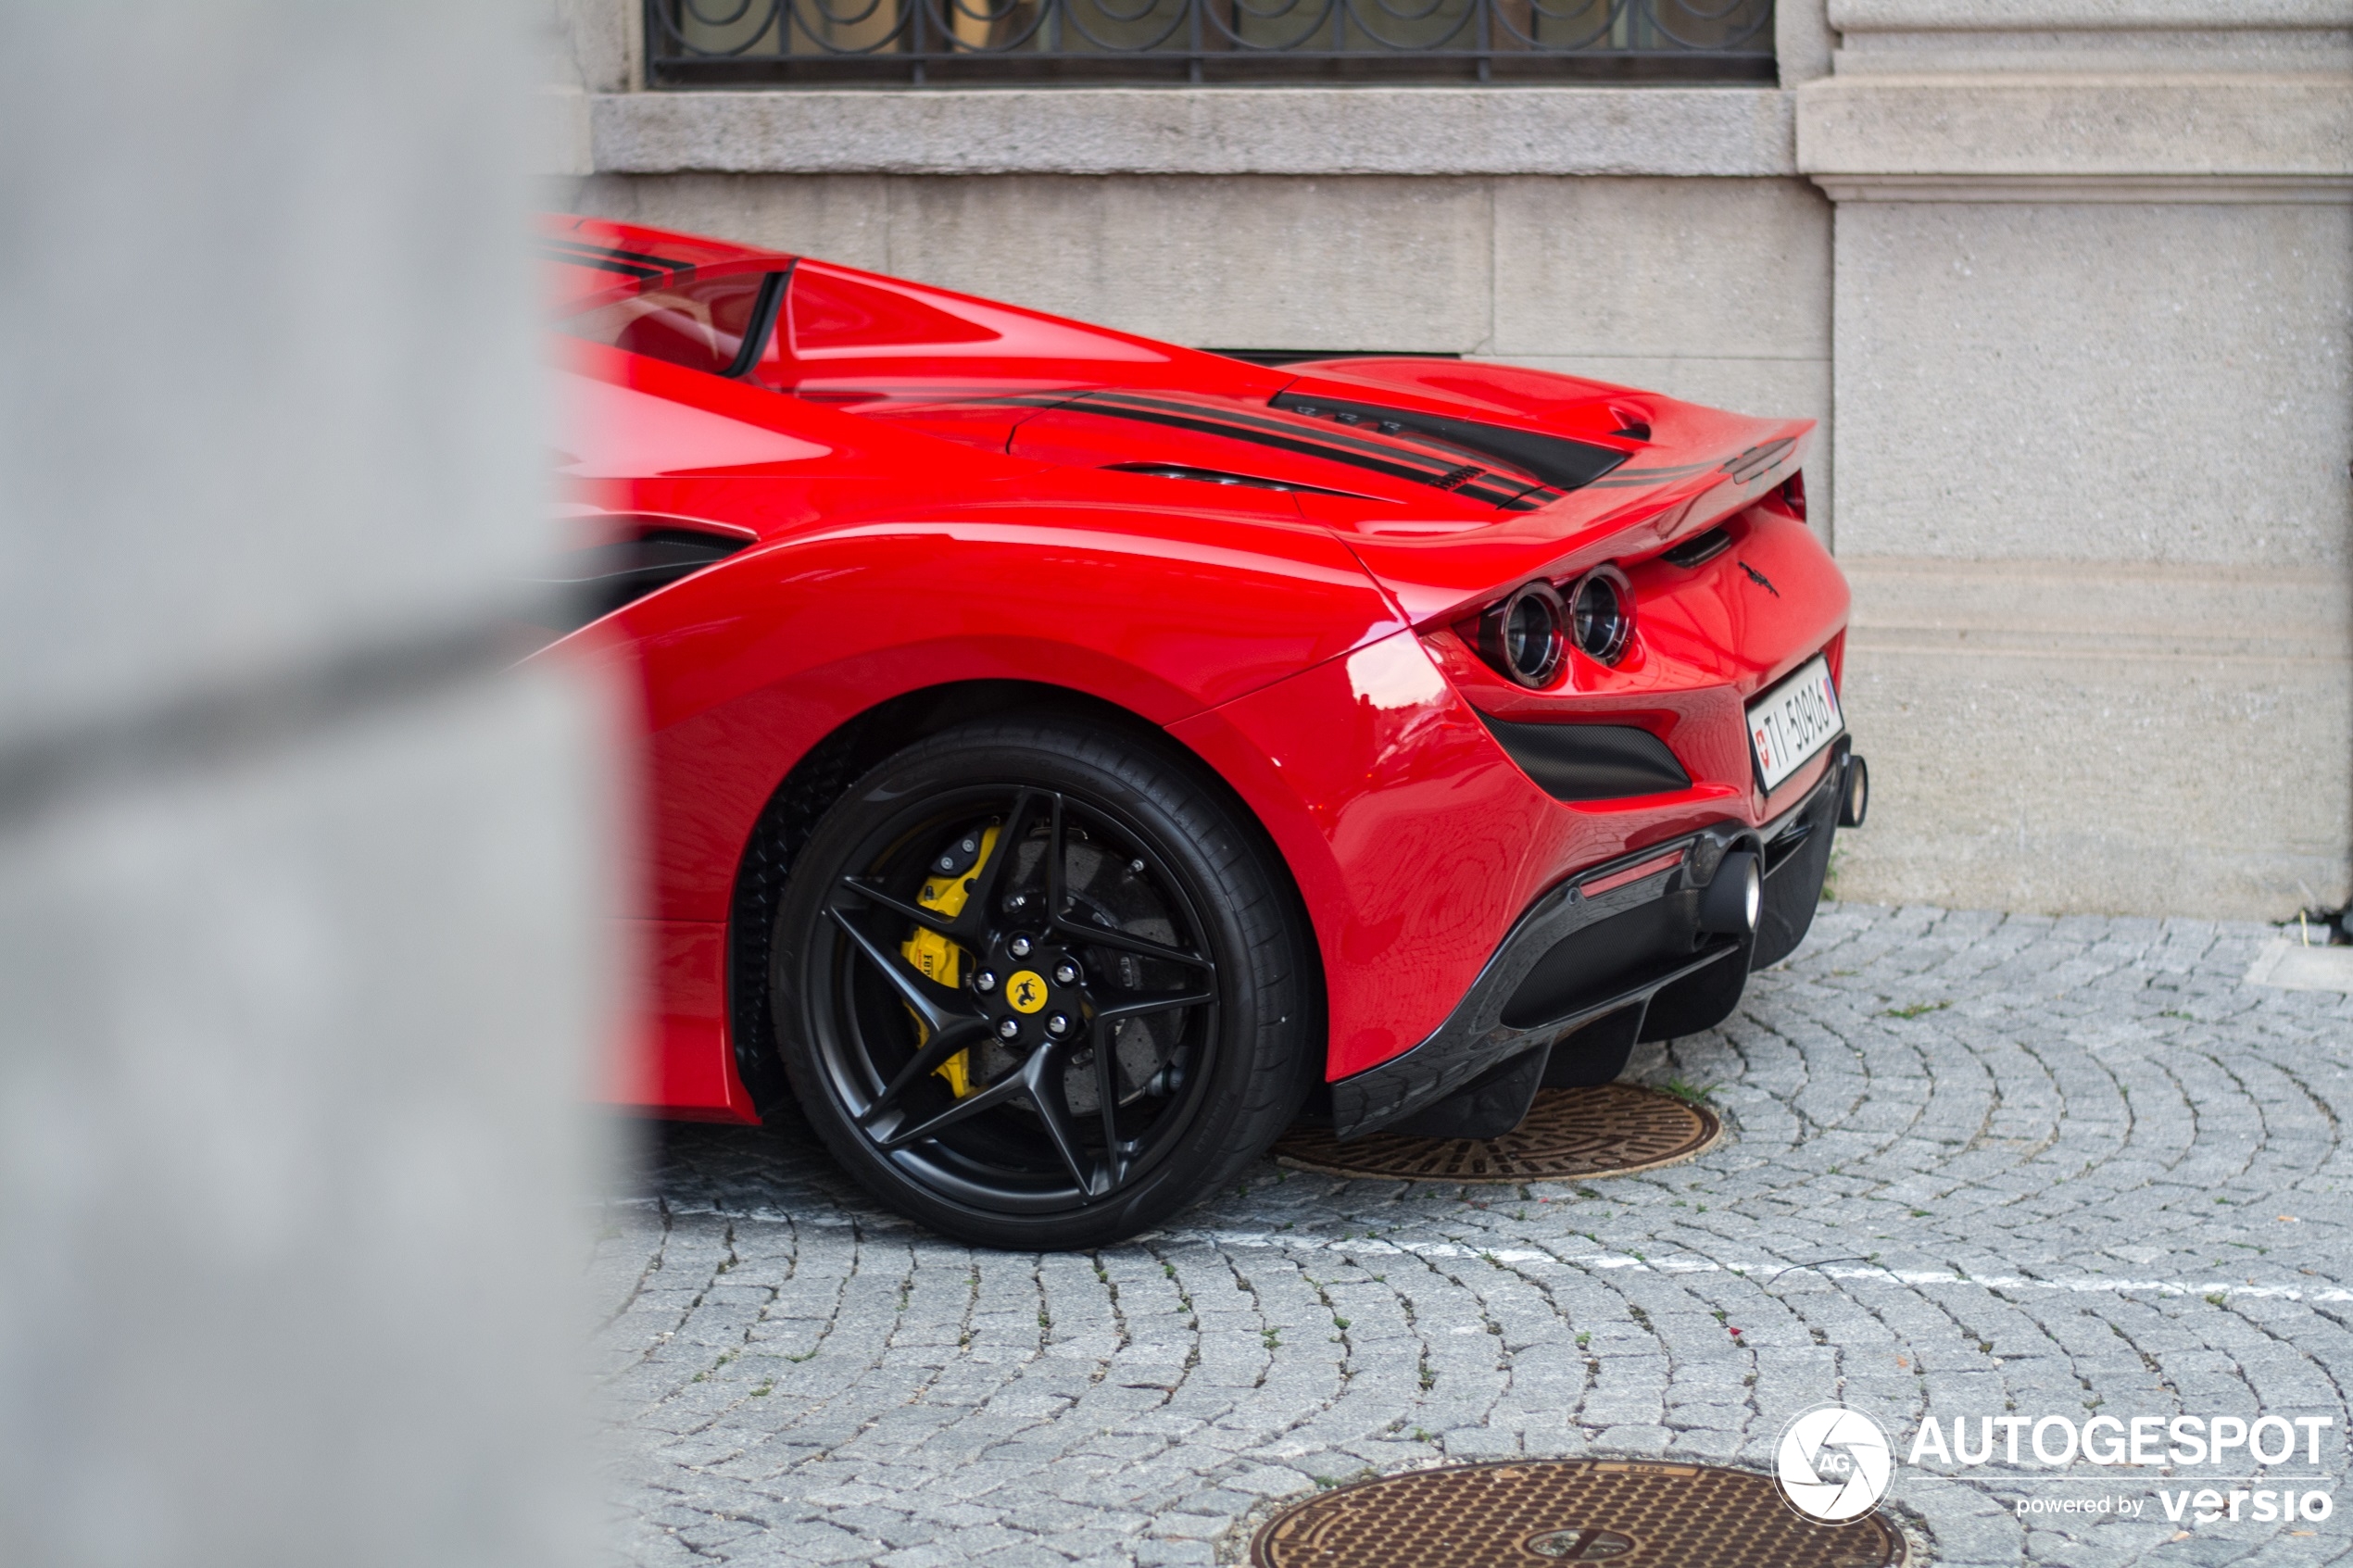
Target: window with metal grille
(776,41)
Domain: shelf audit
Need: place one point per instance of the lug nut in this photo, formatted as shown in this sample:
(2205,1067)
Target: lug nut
(985,981)
(1057,1025)
(1019,947)
(1010,1027)
(1066,974)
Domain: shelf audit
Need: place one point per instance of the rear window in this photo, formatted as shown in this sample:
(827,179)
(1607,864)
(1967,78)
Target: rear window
(700,323)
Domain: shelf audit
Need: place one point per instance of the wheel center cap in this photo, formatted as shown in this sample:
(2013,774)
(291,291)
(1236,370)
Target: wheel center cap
(1025,990)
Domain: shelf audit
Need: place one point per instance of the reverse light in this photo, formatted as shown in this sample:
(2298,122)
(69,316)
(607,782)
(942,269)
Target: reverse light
(1520,635)
(1601,614)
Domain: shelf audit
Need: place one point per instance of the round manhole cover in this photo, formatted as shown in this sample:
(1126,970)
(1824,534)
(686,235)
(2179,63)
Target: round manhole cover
(1629,1513)
(1568,1134)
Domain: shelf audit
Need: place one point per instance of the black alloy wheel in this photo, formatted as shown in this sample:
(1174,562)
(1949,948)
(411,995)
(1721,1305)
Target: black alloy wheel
(1038,986)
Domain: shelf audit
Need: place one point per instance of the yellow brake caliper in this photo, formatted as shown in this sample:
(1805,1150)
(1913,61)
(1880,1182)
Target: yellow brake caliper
(938,959)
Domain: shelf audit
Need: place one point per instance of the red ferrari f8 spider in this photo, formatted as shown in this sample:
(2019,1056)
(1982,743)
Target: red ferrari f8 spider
(1069,758)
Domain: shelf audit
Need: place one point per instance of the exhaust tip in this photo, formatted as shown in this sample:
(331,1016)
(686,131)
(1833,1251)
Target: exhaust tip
(1730,904)
(1855,796)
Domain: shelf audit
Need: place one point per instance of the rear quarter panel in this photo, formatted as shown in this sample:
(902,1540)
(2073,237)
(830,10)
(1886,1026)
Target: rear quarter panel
(890,561)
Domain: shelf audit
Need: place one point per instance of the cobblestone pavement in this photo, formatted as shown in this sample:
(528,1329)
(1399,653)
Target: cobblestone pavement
(1976,1164)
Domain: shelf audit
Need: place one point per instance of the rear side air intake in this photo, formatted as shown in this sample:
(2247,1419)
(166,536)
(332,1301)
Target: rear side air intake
(1590,761)
(599,579)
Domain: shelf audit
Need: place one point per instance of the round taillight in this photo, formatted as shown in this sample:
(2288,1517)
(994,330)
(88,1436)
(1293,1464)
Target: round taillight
(1521,635)
(1601,614)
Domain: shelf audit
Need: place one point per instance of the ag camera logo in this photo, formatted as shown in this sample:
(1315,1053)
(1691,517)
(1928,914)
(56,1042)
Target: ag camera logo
(1834,1464)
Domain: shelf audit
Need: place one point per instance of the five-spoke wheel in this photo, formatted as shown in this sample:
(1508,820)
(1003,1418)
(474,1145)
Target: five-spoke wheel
(1038,984)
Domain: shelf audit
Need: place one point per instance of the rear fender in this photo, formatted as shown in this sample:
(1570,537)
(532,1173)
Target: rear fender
(749,663)
(1415,841)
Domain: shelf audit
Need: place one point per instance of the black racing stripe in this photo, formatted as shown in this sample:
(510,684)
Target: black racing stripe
(1236,432)
(643,258)
(1505,490)
(1758,460)
(1443,459)
(1743,467)
(932,396)
(1512,495)
(610,264)
(1556,460)
(643,274)
(1629,479)
(615,261)
(1530,501)
(1443,456)
(604,253)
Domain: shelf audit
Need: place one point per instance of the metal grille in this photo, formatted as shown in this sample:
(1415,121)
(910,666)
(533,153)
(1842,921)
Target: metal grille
(1569,1134)
(1629,1514)
(710,42)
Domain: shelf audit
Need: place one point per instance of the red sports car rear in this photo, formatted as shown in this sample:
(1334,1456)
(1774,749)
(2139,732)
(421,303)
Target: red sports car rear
(1070,757)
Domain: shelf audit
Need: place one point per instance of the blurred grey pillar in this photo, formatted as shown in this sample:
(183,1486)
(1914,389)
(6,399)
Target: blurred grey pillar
(298,901)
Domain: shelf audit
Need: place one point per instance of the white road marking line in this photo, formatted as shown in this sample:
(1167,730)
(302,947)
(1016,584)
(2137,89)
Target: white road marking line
(1687,1264)
(1684,1264)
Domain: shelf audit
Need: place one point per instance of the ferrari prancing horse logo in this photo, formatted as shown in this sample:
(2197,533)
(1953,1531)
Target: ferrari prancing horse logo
(1027,991)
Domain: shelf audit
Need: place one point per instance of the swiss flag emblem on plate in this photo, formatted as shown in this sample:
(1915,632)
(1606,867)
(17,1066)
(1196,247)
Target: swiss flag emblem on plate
(1793,721)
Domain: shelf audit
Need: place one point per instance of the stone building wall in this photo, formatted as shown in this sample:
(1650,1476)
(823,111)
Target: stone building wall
(2069,283)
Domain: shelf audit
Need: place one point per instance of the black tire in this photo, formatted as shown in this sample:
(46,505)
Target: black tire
(1193,1000)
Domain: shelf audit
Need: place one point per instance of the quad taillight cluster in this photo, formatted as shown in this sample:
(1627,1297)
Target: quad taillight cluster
(1601,614)
(1525,635)
(1520,635)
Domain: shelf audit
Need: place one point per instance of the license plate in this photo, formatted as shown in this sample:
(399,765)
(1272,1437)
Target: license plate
(1793,721)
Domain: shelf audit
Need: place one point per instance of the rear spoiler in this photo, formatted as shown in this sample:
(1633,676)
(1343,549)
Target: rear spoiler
(1631,513)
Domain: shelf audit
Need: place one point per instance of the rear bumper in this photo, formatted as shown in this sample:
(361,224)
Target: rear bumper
(1610,938)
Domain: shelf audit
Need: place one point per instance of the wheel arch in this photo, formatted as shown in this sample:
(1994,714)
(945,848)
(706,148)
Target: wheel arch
(825,772)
